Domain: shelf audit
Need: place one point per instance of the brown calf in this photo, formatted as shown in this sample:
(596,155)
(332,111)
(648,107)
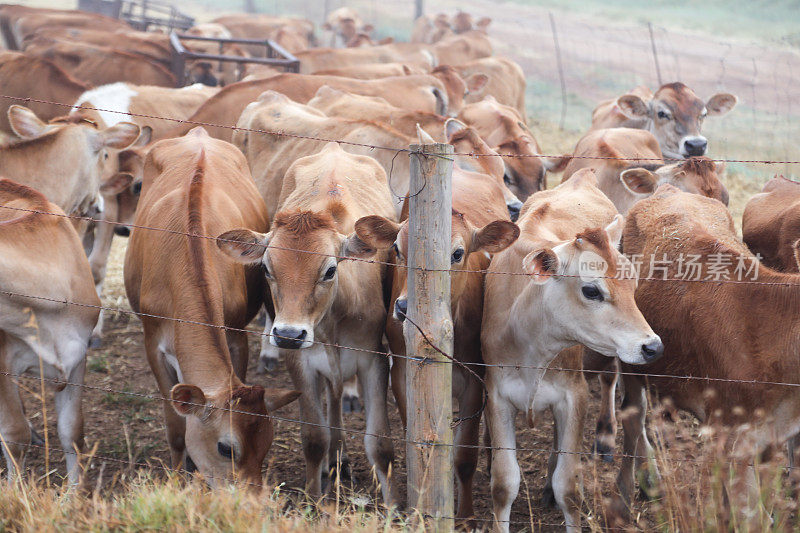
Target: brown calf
(324,303)
(199,185)
(480,226)
(42,256)
(744,332)
(771,224)
(570,295)
(506,82)
(675,115)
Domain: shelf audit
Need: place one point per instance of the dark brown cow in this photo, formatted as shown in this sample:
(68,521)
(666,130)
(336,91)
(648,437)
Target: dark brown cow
(744,331)
(199,185)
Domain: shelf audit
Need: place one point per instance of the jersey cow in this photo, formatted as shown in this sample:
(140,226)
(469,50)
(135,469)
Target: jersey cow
(674,114)
(40,335)
(555,302)
(325,302)
(199,185)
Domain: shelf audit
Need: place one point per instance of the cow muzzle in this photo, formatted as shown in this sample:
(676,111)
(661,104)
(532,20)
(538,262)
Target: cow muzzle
(400,309)
(694,145)
(291,337)
(514,208)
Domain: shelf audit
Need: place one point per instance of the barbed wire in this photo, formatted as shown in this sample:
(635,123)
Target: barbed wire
(389,263)
(281,133)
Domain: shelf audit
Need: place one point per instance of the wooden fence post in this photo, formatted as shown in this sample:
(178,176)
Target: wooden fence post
(429,379)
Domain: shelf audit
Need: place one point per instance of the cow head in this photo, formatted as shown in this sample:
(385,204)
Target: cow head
(697,175)
(579,278)
(480,158)
(503,129)
(300,258)
(675,117)
(465,239)
(130,170)
(457,87)
(228,434)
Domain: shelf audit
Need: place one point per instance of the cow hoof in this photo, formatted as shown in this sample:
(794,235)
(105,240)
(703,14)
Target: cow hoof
(351,404)
(345,474)
(267,365)
(95,342)
(36,439)
(604,452)
(548,498)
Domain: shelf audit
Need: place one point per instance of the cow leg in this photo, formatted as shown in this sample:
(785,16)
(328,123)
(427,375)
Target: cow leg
(338,461)
(237,345)
(468,434)
(269,356)
(636,447)
(791,446)
(166,379)
(548,496)
(15,433)
(373,374)
(98,259)
(70,420)
(500,416)
(606,432)
(350,396)
(314,433)
(569,416)
(399,386)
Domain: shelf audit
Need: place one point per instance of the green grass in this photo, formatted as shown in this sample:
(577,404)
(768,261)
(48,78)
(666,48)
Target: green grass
(775,21)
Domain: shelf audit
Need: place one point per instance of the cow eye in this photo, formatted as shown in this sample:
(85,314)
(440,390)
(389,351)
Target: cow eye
(457,256)
(105,155)
(329,273)
(663,115)
(590,292)
(225,450)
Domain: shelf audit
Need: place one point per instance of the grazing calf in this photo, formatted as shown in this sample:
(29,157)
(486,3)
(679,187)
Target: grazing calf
(628,166)
(65,160)
(199,185)
(328,310)
(746,331)
(562,291)
(771,224)
(41,255)
(480,226)
(674,115)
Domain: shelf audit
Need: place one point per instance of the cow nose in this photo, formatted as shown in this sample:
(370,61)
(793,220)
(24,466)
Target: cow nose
(696,146)
(289,337)
(652,350)
(122,231)
(513,209)
(137,188)
(400,309)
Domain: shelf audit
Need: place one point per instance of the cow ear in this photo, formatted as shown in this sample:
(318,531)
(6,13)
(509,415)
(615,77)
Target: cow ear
(243,245)
(145,136)
(453,126)
(632,106)
(24,122)
(188,399)
(423,136)
(274,399)
(116,184)
(720,103)
(355,248)
(476,82)
(639,180)
(407,70)
(614,230)
(483,23)
(119,136)
(377,232)
(367,28)
(796,250)
(541,264)
(494,237)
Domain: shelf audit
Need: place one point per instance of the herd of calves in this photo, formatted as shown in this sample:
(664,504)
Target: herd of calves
(631,262)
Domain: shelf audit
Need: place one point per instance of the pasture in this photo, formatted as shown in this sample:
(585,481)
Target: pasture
(709,476)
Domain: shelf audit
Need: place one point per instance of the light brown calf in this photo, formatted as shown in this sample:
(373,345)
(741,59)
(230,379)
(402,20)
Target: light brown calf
(564,293)
(20,21)
(41,255)
(430,30)
(674,114)
(323,302)
(506,82)
(771,224)
(480,226)
(66,160)
(345,23)
(746,331)
(199,185)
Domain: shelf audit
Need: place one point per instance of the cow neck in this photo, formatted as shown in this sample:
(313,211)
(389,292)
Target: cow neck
(201,350)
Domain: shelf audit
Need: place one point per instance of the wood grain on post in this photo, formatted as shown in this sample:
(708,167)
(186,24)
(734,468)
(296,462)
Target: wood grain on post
(429,381)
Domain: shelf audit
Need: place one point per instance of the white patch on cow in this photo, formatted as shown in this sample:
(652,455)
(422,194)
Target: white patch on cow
(112,101)
(194,87)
